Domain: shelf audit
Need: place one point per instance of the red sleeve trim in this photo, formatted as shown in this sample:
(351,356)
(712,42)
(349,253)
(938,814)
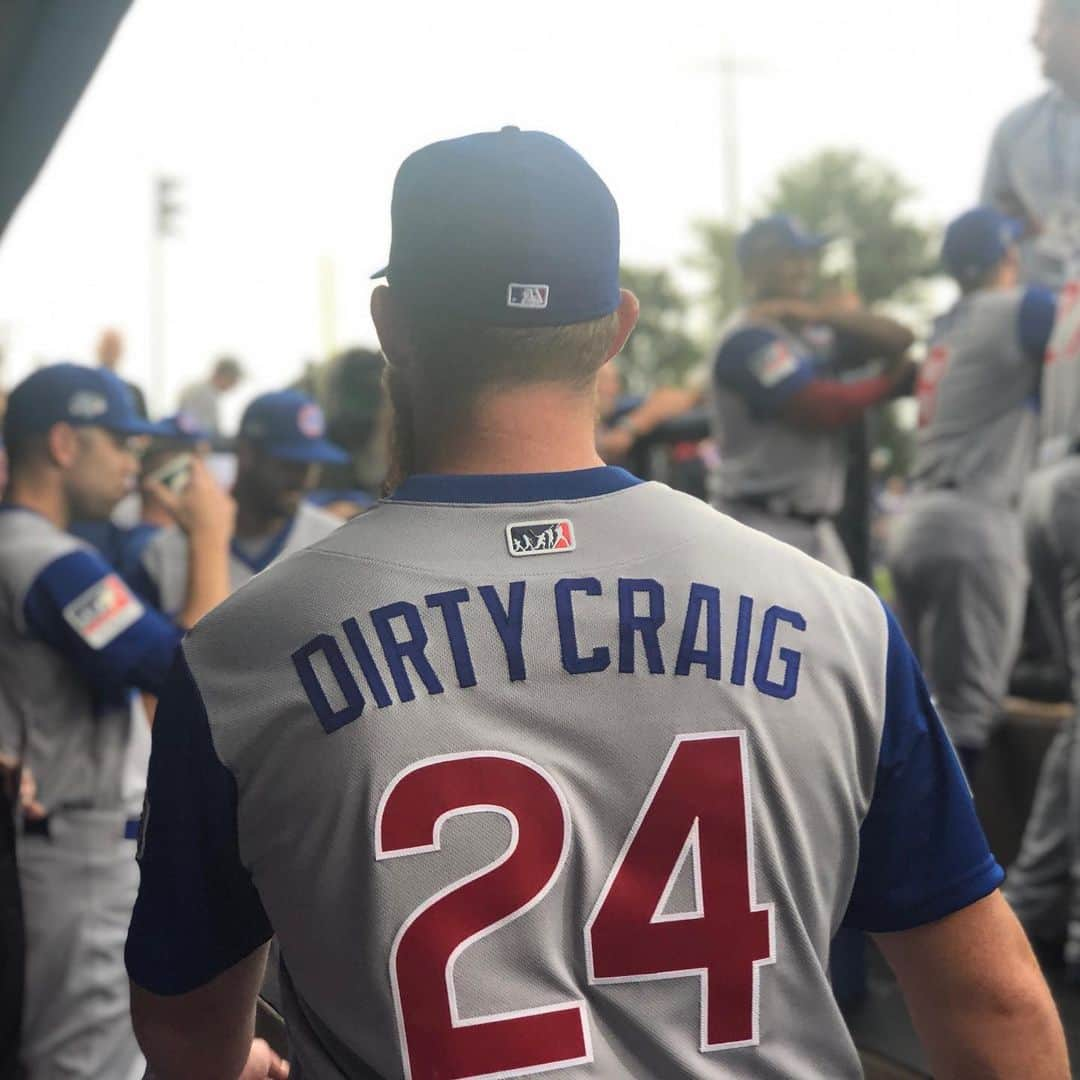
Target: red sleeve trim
(825,404)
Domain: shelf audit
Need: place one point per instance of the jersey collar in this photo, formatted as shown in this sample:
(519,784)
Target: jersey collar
(515,487)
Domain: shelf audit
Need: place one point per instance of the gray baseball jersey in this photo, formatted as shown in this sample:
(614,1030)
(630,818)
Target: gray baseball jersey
(74,641)
(163,574)
(758,367)
(978,395)
(553,772)
(1034,167)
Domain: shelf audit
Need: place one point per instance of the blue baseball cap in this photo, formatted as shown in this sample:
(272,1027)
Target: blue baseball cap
(506,228)
(977,241)
(182,427)
(288,425)
(73,394)
(776,235)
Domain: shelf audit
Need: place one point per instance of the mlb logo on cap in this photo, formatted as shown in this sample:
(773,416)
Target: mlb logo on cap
(527,296)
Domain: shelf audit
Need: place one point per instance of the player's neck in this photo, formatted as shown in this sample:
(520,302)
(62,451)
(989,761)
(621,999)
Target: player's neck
(253,524)
(44,498)
(531,429)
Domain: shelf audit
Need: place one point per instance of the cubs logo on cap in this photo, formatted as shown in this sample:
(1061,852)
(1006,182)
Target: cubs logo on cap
(288,425)
(310,421)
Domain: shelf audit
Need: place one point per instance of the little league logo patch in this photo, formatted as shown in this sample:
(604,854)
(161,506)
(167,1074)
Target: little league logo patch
(103,612)
(310,422)
(540,538)
(527,296)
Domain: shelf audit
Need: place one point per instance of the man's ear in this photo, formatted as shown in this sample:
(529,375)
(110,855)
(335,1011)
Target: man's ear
(62,444)
(627,311)
(391,327)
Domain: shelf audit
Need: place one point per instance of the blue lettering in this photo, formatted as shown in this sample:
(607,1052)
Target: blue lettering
(790,657)
(367,663)
(742,641)
(350,691)
(450,605)
(631,623)
(572,660)
(509,623)
(707,598)
(411,648)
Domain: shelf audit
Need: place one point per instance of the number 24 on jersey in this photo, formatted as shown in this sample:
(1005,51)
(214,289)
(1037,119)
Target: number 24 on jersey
(697,811)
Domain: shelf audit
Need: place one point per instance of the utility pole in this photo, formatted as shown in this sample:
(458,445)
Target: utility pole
(166,210)
(731,68)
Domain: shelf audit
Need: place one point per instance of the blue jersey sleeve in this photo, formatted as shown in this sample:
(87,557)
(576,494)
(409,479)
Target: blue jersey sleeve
(80,606)
(198,912)
(132,568)
(762,369)
(922,852)
(1038,310)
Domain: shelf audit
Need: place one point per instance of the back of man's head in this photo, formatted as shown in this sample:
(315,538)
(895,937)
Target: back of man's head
(503,272)
(227,372)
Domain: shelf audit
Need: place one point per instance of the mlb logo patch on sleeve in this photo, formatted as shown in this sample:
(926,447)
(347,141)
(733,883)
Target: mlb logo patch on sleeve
(774,364)
(540,538)
(103,612)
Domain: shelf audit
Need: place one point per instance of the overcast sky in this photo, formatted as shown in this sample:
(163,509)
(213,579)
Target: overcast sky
(286,124)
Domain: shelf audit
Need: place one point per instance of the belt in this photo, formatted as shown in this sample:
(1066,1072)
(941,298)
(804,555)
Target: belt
(771,504)
(42,827)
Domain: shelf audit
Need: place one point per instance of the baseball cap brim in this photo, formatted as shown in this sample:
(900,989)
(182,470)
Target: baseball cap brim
(136,426)
(384,272)
(310,451)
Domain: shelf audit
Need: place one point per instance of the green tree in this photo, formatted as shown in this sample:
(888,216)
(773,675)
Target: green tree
(661,349)
(849,195)
(715,261)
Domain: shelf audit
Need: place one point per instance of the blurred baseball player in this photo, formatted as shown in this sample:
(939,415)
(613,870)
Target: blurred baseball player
(535,767)
(1033,170)
(781,408)
(175,439)
(280,449)
(1044,882)
(74,643)
(957,553)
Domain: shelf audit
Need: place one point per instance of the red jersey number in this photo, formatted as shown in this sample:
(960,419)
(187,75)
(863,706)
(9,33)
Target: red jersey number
(696,815)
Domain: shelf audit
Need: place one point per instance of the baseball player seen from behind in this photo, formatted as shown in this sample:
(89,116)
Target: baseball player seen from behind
(957,552)
(75,643)
(781,408)
(595,809)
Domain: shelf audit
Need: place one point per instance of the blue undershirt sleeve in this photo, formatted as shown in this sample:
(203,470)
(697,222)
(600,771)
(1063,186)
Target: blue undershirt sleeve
(198,912)
(762,369)
(80,606)
(1038,310)
(922,852)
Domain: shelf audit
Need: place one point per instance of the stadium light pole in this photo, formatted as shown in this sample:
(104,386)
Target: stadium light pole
(166,209)
(731,68)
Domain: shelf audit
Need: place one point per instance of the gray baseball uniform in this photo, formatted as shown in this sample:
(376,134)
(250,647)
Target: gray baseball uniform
(1034,164)
(785,480)
(164,560)
(73,641)
(956,554)
(526,778)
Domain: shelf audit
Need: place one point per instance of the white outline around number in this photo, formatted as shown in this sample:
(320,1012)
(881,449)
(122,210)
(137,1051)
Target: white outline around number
(436,845)
(701,973)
